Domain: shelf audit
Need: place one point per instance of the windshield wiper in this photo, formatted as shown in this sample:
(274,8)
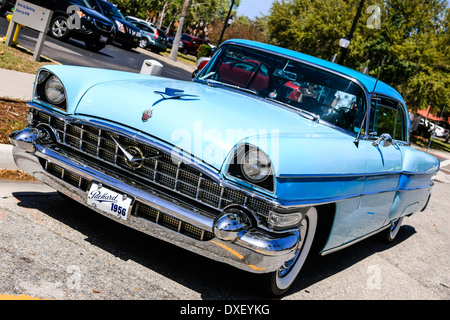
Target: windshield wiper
(211,82)
(307,114)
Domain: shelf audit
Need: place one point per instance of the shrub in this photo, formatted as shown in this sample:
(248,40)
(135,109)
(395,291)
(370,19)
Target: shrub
(204,51)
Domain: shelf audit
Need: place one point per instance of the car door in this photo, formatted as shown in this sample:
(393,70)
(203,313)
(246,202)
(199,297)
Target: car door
(384,167)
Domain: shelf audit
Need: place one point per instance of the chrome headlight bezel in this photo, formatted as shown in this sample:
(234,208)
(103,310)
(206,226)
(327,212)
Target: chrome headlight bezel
(54,90)
(252,165)
(46,82)
(256,166)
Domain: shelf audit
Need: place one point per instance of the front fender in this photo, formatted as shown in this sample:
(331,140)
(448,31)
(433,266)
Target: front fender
(78,80)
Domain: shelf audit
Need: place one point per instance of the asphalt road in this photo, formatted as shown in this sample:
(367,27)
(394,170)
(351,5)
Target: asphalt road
(74,52)
(52,249)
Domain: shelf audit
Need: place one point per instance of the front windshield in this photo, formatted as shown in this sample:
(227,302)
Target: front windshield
(332,98)
(111,10)
(185,37)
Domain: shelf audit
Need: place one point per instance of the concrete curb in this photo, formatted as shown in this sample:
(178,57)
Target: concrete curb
(16,85)
(6,157)
(165,59)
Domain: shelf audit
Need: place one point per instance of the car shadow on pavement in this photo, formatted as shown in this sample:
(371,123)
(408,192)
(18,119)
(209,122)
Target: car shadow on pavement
(318,268)
(81,45)
(211,279)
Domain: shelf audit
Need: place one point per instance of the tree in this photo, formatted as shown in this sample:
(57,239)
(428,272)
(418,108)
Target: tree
(136,8)
(174,53)
(242,28)
(413,36)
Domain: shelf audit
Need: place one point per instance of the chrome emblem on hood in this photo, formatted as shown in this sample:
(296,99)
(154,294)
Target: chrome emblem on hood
(137,160)
(147,114)
(134,157)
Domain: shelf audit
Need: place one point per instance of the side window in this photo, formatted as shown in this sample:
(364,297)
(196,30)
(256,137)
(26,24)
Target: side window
(386,116)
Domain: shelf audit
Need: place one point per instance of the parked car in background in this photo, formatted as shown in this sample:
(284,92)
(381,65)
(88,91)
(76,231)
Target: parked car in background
(95,30)
(5,5)
(151,37)
(127,34)
(170,43)
(190,44)
(135,19)
(439,131)
(266,157)
(201,63)
(436,130)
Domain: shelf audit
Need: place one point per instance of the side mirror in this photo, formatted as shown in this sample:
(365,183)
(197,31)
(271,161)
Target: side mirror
(385,140)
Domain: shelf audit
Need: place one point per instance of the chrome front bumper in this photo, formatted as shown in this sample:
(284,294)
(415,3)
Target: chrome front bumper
(230,240)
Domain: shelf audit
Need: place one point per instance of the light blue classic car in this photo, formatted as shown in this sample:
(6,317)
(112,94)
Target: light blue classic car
(266,156)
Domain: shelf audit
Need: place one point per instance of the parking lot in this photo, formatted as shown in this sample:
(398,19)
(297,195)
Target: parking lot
(73,52)
(51,249)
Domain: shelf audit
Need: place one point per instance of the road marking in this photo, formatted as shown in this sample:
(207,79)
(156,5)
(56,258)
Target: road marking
(55,46)
(21,297)
(445,163)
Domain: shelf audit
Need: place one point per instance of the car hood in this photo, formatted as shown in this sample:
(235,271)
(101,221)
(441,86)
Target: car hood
(207,122)
(95,14)
(126,23)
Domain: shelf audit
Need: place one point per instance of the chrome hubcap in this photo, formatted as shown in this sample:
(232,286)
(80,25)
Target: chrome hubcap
(142,43)
(59,27)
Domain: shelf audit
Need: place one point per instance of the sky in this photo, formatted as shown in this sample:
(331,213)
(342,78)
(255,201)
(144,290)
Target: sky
(254,8)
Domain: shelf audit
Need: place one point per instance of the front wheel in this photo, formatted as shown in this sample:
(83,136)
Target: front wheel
(389,234)
(2,6)
(143,43)
(282,279)
(59,28)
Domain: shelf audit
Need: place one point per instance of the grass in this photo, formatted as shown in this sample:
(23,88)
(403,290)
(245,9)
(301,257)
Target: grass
(16,175)
(13,117)
(13,113)
(436,144)
(182,57)
(20,59)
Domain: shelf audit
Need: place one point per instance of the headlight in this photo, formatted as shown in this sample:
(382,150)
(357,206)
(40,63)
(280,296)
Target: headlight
(120,26)
(284,220)
(256,165)
(54,91)
(250,164)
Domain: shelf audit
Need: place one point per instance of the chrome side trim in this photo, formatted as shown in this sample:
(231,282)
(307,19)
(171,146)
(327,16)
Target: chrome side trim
(348,244)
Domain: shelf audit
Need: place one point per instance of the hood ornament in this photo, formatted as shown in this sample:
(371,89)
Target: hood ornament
(171,93)
(147,114)
(134,157)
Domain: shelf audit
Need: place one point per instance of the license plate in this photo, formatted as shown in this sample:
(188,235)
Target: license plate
(109,201)
(103,39)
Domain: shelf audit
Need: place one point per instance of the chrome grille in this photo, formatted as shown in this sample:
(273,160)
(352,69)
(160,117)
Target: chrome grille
(161,171)
(139,209)
(103,26)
